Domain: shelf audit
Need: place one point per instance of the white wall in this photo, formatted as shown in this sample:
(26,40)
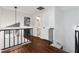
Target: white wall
(65,21)
(71,18)
(59,26)
(7,17)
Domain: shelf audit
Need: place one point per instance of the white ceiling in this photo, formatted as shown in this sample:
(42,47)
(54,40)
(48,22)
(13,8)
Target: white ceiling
(68,7)
(32,9)
(26,9)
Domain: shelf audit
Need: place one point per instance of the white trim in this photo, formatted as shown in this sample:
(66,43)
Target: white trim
(9,28)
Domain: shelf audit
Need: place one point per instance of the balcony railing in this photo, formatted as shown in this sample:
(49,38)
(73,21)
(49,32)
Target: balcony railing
(13,36)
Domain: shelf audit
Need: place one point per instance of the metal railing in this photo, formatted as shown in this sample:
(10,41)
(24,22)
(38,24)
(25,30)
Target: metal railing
(76,41)
(14,36)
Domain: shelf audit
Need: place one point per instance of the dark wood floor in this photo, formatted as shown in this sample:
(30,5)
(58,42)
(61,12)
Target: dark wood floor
(38,45)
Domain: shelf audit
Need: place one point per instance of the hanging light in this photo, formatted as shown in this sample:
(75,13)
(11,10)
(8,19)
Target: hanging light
(17,31)
(15,14)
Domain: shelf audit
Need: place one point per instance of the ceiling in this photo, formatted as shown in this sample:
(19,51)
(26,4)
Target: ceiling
(26,9)
(32,9)
(68,7)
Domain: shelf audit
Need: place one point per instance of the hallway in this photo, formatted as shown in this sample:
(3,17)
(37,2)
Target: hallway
(37,45)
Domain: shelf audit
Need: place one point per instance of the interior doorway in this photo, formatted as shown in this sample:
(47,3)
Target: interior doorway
(38,22)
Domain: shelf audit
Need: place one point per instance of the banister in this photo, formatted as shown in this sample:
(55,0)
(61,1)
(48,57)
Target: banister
(15,28)
(12,37)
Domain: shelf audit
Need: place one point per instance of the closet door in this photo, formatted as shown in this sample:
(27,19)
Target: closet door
(44,33)
(44,26)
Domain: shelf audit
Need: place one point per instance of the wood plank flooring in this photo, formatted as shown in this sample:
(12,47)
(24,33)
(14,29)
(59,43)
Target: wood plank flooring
(38,45)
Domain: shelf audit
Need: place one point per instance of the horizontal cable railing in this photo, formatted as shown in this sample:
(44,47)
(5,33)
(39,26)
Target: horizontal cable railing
(13,36)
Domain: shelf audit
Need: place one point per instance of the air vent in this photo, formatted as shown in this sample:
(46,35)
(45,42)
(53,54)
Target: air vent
(40,8)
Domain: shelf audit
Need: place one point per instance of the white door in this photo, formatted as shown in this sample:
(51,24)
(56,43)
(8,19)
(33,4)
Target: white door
(44,25)
(44,33)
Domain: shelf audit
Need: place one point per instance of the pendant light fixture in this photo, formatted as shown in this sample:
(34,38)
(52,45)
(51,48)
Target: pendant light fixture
(15,14)
(17,31)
